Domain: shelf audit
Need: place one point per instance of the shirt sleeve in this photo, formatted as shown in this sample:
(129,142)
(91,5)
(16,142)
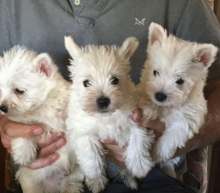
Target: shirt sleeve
(198,23)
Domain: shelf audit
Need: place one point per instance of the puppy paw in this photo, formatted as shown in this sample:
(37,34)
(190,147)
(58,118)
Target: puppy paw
(141,166)
(23,151)
(156,153)
(161,152)
(130,182)
(128,179)
(73,187)
(23,158)
(156,158)
(96,185)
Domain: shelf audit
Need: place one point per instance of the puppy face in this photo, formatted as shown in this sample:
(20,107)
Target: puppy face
(24,80)
(100,75)
(175,66)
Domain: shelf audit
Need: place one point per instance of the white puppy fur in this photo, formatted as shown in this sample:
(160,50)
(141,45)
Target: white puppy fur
(101,103)
(171,87)
(33,91)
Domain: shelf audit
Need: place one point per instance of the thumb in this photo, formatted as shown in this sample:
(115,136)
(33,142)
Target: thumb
(137,115)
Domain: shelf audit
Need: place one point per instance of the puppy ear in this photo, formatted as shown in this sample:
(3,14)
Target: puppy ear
(44,64)
(156,33)
(128,47)
(73,49)
(205,55)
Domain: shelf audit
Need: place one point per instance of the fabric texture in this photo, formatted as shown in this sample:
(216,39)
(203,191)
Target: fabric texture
(196,175)
(154,182)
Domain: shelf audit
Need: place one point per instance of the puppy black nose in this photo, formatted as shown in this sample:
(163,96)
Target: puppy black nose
(160,96)
(4,109)
(103,102)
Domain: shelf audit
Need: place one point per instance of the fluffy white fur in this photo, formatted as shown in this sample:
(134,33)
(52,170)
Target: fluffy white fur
(97,72)
(34,92)
(172,85)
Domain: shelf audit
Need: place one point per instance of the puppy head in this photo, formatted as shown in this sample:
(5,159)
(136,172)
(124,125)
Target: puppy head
(175,66)
(100,74)
(24,80)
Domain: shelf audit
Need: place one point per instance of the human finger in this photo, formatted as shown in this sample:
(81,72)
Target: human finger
(6,141)
(137,115)
(45,141)
(49,149)
(157,126)
(108,141)
(43,162)
(114,160)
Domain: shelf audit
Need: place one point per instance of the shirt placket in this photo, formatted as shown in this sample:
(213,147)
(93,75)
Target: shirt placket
(86,11)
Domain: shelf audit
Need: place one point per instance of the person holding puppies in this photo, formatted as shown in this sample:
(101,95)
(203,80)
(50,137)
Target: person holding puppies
(41,26)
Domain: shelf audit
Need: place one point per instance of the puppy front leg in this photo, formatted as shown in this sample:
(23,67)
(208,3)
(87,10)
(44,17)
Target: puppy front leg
(29,180)
(137,154)
(175,136)
(128,178)
(90,154)
(24,150)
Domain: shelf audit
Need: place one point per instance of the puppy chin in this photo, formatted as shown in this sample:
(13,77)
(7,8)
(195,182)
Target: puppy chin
(105,111)
(97,112)
(166,103)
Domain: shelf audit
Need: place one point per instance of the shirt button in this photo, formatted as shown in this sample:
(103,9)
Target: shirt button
(77,2)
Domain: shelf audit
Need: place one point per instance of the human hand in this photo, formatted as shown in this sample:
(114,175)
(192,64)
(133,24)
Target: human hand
(47,146)
(157,126)
(115,153)
(10,129)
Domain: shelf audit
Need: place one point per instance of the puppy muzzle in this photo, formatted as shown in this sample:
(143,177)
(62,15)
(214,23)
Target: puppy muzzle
(4,108)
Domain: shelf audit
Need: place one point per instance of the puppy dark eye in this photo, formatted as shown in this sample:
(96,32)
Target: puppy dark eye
(86,83)
(180,81)
(115,80)
(19,92)
(155,73)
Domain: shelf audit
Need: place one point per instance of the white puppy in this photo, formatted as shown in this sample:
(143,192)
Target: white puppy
(33,91)
(172,88)
(102,99)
